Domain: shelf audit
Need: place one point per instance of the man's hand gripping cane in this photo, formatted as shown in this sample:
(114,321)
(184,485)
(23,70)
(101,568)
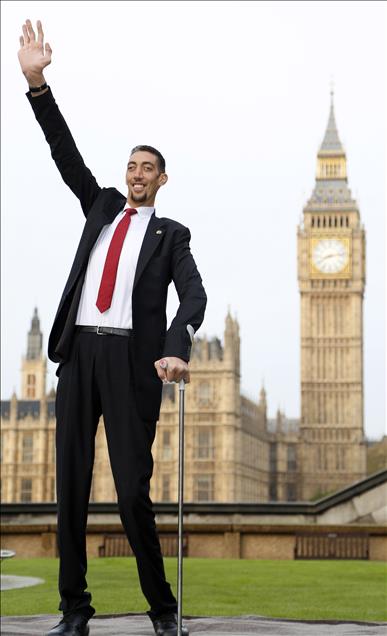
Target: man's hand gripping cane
(172,369)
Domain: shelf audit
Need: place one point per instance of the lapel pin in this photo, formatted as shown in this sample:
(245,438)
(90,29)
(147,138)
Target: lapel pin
(159,231)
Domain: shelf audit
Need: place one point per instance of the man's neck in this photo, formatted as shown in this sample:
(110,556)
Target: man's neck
(142,204)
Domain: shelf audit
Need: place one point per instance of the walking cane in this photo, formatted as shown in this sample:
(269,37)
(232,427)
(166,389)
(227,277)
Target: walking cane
(180,515)
(180,499)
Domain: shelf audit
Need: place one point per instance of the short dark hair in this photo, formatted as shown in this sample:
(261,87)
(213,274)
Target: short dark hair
(153,151)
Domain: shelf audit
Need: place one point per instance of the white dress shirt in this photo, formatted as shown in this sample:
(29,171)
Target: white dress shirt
(119,313)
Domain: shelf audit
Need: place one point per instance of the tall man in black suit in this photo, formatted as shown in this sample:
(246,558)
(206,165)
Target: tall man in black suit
(109,337)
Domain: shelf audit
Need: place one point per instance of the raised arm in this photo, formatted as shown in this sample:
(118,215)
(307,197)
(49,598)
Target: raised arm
(34,56)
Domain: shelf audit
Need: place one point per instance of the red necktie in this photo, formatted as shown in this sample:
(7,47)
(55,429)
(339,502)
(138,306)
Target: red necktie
(109,274)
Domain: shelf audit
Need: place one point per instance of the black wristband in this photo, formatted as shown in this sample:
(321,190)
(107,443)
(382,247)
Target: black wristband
(37,89)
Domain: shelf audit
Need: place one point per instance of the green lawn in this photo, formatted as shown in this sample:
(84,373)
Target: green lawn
(341,590)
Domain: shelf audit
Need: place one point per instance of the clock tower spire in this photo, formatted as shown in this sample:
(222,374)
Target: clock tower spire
(331,275)
(331,159)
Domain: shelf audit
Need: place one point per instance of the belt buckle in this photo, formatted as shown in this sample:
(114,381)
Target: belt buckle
(100,333)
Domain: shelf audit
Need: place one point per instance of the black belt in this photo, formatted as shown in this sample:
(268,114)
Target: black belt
(104,331)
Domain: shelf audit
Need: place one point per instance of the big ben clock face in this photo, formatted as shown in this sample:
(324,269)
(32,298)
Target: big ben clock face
(330,256)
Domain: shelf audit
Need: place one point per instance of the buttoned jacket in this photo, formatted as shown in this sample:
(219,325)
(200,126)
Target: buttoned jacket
(165,256)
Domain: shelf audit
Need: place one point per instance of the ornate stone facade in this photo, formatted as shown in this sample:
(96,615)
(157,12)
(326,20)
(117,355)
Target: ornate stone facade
(28,430)
(226,436)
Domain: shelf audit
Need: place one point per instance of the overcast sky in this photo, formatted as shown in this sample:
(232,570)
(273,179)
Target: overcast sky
(236,96)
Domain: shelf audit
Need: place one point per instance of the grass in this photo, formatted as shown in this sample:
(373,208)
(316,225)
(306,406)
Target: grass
(337,590)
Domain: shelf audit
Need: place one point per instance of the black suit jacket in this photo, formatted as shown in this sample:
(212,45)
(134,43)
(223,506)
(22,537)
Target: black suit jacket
(164,256)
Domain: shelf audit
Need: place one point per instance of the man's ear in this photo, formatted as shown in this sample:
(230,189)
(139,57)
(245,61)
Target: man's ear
(163,179)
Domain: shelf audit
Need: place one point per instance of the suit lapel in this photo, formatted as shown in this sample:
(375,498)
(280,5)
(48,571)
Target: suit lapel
(105,213)
(108,212)
(153,235)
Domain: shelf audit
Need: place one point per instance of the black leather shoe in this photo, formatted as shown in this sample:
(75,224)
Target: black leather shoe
(166,625)
(72,625)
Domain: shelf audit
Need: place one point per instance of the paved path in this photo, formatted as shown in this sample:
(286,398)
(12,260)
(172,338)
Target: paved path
(11,581)
(140,625)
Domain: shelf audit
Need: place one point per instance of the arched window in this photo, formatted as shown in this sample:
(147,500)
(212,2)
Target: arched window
(31,385)
(204,487)
(166,488)
(166,445)
(204,393)
(52,489)
(204,446)
(26,490)
(291,457)
(28,448)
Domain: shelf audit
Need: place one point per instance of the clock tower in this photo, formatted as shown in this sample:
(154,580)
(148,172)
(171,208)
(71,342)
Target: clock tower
(331,275)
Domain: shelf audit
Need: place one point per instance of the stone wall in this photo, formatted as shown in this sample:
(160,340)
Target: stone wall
(231,541)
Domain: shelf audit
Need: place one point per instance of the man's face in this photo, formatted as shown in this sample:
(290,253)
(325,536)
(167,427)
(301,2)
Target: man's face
(143,178)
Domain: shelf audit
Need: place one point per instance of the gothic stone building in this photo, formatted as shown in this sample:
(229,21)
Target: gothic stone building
(226,437)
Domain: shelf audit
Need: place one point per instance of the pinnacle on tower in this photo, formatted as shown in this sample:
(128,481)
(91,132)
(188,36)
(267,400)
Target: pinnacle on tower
(232,342)
(331,174)
(262,404)
(34,338)
(229,328)
(231,324)
(331,143)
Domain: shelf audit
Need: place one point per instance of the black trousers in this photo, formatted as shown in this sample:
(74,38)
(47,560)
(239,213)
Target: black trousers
(97,379)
